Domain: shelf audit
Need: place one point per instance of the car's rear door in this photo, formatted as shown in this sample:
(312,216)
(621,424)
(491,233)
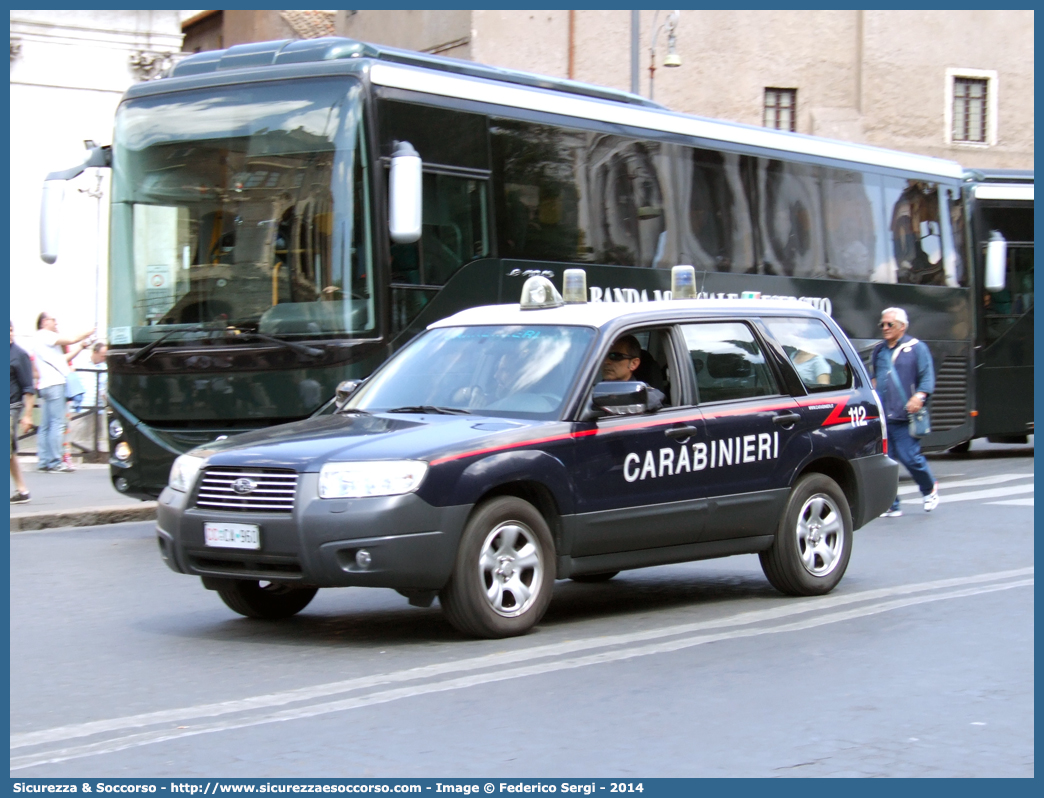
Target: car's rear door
(755,434)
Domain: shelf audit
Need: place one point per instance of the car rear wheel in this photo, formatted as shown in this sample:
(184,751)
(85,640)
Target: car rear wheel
(504,573)
(814,540)
(602,577)
(266,600)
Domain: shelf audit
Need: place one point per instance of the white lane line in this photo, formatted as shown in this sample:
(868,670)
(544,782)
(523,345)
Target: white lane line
(386,696)
(995,479)
(978,495)
(789,608)
(1016,502)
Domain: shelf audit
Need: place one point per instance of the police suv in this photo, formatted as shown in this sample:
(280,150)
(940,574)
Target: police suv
(512,445)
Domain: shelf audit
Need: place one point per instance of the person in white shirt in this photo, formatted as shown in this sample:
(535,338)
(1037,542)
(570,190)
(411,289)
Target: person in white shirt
(52,366)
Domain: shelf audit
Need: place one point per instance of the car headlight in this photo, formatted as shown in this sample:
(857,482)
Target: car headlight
(374,478)
(183,472)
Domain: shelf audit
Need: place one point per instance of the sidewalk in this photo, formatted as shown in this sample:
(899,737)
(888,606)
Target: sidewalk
(85,497)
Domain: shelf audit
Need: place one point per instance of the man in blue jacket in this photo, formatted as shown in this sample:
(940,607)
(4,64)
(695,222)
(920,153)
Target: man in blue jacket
(903,374)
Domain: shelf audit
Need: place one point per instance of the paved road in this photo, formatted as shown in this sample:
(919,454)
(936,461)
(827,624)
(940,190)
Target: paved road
(919,664)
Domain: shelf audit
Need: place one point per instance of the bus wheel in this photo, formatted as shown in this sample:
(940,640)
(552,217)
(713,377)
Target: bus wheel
(814,539)
(266,600)
(505,570)
(602,577)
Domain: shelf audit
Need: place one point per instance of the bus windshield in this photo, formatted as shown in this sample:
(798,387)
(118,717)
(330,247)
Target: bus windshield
(509,371)
(244,206)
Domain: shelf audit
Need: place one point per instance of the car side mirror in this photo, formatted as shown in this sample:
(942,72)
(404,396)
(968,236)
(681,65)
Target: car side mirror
(345,390)
(405,190)
(621,398)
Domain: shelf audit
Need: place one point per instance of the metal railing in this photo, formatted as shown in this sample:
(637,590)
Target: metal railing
(91,451)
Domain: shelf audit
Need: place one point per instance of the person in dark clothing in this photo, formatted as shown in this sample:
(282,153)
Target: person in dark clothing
(625,355)
(21,412)
(903,374)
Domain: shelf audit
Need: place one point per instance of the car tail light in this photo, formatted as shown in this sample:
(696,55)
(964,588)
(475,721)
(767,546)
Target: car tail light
(884,425)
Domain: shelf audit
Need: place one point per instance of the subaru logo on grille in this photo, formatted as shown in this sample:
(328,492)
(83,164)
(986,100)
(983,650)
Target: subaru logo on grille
(243,486)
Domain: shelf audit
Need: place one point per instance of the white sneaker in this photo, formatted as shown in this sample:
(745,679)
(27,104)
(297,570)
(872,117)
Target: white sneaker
(890,513)
(931,501)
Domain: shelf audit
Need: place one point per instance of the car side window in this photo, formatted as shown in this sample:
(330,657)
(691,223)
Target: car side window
(728,362)
(814,353)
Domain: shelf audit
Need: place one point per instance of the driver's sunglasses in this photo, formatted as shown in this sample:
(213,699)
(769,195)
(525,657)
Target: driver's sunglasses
(887,325)
(616,357)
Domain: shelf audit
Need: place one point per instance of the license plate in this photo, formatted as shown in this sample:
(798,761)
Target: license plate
(232,536)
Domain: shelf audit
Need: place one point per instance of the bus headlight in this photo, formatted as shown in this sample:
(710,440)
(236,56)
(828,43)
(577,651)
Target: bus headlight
(374,478)
(115,428)
(183,472)
(122,451)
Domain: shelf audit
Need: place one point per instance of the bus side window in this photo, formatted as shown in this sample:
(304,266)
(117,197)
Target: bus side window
(454,232)
(916,231)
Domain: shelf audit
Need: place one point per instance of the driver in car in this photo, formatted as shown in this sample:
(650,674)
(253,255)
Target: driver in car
(624,356)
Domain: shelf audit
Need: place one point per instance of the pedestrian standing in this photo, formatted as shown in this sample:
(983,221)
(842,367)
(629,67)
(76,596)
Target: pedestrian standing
(904,376)
(52,367)
(21,413)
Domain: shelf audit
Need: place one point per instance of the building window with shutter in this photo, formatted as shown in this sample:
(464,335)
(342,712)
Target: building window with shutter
(781,109)
(971,107)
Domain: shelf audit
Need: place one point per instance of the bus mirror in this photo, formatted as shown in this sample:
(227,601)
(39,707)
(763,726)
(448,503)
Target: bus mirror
(54,193)
(404,194)
(996,262)
(50,219)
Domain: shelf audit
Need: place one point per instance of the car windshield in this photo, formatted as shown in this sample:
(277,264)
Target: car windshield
(509,371)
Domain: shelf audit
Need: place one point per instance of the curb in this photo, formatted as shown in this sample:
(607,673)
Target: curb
(95,516)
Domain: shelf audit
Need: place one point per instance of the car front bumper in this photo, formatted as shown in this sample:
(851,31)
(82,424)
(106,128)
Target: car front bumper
(411,544)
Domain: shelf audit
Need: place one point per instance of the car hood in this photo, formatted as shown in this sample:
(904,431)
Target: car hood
(307,445)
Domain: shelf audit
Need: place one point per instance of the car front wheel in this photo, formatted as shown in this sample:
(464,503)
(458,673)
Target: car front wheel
(504,573)
(814,539)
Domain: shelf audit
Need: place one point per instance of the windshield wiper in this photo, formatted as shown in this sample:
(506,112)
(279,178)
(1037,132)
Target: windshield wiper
(346,410)
(301,349)
(146,350)
(446,411)
(227,331)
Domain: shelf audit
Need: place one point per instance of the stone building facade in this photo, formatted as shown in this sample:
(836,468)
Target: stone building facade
(886,78)
(68,71)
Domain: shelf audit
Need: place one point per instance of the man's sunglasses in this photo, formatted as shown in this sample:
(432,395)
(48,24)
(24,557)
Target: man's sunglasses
(616,357)
(887,325)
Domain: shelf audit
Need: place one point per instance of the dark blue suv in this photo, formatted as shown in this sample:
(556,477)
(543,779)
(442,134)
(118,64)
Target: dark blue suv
(512,445)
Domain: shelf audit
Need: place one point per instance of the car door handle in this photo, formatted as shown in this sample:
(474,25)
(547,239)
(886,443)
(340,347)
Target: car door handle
(680,433)
(786,420)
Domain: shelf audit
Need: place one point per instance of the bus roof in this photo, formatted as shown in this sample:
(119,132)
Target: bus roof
(450,77)
(999,175)
(289,51)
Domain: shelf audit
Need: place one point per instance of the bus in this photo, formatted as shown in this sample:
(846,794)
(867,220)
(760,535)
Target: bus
(287,214)
(1000,212)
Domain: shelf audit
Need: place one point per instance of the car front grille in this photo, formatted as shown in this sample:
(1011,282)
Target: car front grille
(266,490)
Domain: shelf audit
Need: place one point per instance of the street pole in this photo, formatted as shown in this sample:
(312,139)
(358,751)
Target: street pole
(96,193)
(635,49)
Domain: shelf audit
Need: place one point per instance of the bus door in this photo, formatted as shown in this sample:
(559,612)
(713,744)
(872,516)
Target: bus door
(1004,377)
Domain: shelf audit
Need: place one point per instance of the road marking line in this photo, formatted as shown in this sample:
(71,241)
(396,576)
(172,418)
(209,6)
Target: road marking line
(1016,502)
(787,609)
(976,495)
(386,696)
(995,479)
